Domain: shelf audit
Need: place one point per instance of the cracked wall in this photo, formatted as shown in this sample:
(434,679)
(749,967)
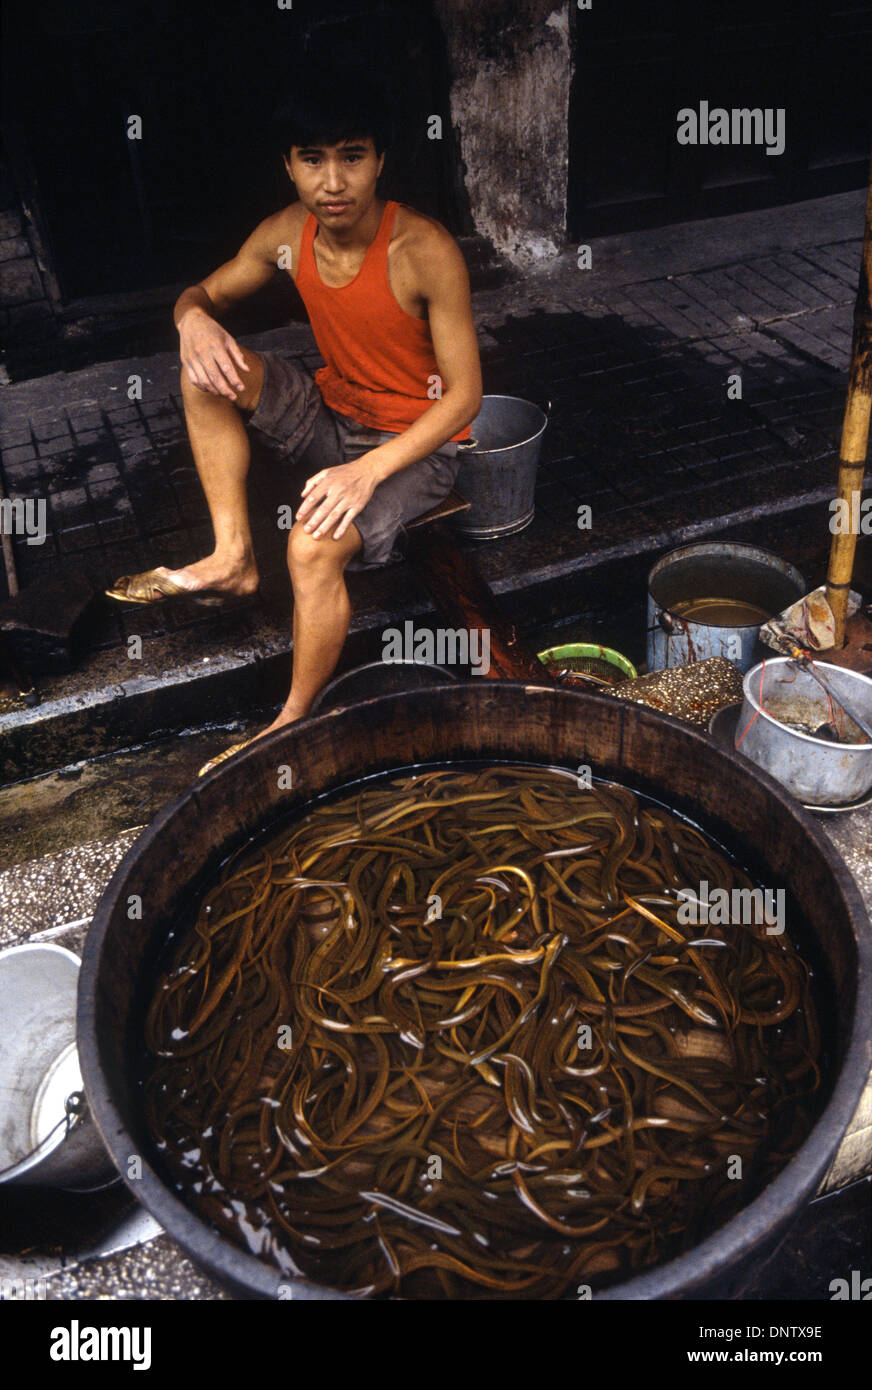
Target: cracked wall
(511,72)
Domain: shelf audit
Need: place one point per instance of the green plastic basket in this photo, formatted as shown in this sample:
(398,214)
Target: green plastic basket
(590,659)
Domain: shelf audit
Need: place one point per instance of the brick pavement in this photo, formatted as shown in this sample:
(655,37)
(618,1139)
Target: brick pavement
(634,355)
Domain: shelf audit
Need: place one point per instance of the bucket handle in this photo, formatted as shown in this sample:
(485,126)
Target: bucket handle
(473,443)
(671,625)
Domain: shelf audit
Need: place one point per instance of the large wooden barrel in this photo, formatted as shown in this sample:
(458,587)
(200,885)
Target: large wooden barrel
(506,720)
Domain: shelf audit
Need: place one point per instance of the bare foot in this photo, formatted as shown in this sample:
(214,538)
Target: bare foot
(281,721)
(229,575)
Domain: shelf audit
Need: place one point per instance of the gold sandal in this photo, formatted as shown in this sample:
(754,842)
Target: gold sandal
(152,586)
(222,757)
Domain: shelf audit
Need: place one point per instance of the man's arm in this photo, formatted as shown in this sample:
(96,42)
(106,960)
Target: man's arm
(445,286)
(210,355)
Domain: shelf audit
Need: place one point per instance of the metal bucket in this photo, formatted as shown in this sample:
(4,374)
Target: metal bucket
(498,473)
(818,772)
(725,580)
(47,1136)
(377,678)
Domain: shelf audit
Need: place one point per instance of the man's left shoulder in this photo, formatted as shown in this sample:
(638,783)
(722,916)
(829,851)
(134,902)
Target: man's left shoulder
(424,241)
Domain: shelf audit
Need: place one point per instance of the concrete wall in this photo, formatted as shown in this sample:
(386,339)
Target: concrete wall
(511,67)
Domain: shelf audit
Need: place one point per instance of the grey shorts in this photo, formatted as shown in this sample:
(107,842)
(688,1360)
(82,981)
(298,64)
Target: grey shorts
(292,420)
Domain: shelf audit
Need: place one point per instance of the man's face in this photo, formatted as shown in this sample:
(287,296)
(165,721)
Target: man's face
(336,182)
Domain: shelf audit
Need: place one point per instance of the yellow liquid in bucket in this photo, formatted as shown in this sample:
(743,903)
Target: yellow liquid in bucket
(720,612)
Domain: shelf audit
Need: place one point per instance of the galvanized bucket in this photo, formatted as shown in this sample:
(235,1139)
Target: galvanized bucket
(816,771)
(725,573)
(47,1136)
(498,472)
(377,678)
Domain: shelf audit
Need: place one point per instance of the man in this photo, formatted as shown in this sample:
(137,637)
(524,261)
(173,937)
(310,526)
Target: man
(376,432)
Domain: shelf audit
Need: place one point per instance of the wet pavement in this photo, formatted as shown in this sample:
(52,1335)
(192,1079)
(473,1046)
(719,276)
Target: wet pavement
(635,356)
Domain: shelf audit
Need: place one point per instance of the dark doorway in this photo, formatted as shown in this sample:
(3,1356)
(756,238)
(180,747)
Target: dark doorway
(638,64)
(123,215)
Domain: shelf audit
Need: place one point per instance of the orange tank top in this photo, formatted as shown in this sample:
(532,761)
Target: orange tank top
(380,360)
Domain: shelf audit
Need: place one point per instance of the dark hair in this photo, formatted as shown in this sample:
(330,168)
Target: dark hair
(322,105)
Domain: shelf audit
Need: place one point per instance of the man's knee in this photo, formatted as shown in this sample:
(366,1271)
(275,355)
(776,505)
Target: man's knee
(306,555)
(246,399)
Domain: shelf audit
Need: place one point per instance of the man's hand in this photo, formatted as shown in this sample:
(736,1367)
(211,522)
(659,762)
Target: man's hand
(210,356)
(336,495)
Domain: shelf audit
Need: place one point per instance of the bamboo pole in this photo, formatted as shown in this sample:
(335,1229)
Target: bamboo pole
(855,438)
(8,555)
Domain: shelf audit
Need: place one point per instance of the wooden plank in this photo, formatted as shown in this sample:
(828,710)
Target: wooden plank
(462,596)
(447,507)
